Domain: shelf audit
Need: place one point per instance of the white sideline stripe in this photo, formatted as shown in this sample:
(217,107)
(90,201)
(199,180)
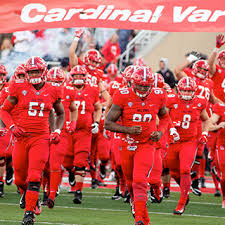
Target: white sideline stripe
(17,221)
(109,197)
(120,210)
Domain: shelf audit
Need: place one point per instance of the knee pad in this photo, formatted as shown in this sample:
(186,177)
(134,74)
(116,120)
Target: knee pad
(80,171)
(34,186)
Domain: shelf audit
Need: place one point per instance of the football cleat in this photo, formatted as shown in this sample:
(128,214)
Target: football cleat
(117,194)
(77,197)
(38,208)
(29,218)
(1,189)
(126,197)
(217,193)
(223,204)
(202,181)
(102,172)
(132,208)
(178,211)
(50,203)
(72,178)
(45,197)
(166,192)
(100,182)
(94,184)
(22,200)
(9,176)
(195,188)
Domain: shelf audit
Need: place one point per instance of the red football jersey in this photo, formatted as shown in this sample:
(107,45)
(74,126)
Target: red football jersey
(205,87)
(93,76)
(138,112)
(33,105)
(85,101)
(69,93)
(114,86)
(187,113)
(219,83)
(4,93)
(219,109)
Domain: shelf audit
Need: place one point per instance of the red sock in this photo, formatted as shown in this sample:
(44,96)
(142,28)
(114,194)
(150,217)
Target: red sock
(196,168)
(78,186)
(146,216)
(139,207)
(215,181)
(185,183)
(1,178)
(55,178)
(93,174)
(166,185)
(31,200)
(222,183)
(202,168)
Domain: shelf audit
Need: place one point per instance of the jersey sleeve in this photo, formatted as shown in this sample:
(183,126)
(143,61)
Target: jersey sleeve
(96,93)
(14,88)
(170,100)
(119,97)
(58,93)
(218,109)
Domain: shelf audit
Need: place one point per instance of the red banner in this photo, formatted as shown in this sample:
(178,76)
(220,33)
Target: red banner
(170,15)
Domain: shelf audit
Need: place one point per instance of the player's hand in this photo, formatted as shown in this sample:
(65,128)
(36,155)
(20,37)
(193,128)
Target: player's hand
(71,127)
(107,134)
(219,40)
(176,123)
(3,131)
(55,137)
(204,138)
(174,133)
(156,135)
(17,131)
(221,125)
(135,130)
(95,128)
(78,33)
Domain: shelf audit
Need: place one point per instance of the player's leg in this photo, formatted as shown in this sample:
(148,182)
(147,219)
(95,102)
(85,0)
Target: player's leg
(186,156)
(56,157)
(155,178)
(93,161)
(82,147)
(143,162)
(2,170)
(38,156)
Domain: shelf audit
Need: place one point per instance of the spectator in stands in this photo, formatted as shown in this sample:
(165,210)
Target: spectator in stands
(111,49)
(6,48)
(166,72)
(124,37)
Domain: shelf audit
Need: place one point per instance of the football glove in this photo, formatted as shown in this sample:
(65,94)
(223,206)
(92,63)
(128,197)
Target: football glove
(95,128)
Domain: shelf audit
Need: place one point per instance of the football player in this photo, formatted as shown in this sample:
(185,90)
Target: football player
(138,108)
(186,109)
(34,99)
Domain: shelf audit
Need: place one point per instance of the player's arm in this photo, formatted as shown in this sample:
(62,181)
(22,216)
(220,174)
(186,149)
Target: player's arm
(98,111)
(213,122)
(205,121)
(163,124)
(213,99)
(110,122)
(60,115)
(71,126)
(213,55)
(108,105)
(178,71)
(51,120)
(105,94)
(7,107)
(73,47)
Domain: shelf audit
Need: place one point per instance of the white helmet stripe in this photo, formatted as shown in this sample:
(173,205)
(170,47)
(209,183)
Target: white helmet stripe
(188,82)
(144,74)
(32,61)
(156,80)
(55,72)
(112,68)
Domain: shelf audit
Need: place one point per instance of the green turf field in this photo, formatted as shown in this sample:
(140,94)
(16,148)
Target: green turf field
(99,209)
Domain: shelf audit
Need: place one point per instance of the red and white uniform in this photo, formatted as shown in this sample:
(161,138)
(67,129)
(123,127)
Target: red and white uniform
(219,83)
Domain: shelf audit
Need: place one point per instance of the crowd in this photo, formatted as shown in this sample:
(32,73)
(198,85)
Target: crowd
(84,116)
